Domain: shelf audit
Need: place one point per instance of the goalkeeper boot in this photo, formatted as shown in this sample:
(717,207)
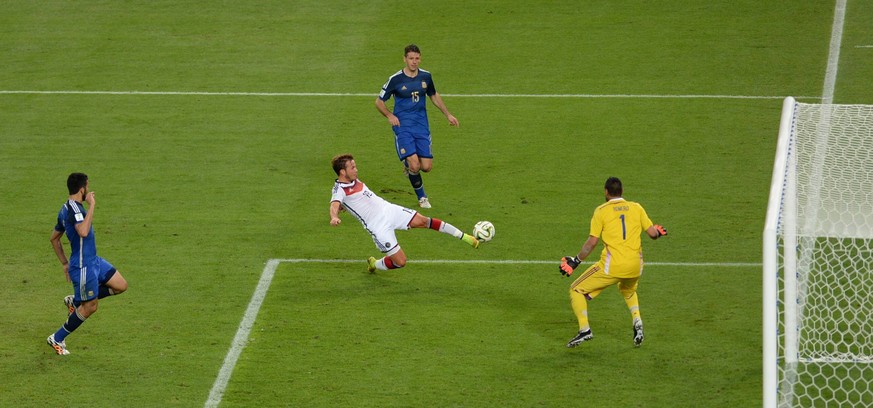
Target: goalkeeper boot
(638,332)
(71,306)
(470,240)
(371,264)
(60,347)
(423,202)
(584,335)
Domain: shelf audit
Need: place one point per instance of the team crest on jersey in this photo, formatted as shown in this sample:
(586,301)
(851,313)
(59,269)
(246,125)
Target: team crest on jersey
(424,84)
(402,151)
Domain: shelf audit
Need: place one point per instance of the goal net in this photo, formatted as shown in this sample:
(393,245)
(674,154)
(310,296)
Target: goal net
(818,259)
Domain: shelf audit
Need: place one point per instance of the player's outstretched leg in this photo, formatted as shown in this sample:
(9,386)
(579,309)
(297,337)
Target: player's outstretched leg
(437,224)
(469,239)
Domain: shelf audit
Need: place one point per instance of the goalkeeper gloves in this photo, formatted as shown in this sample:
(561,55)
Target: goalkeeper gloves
(661,230)
(568,265)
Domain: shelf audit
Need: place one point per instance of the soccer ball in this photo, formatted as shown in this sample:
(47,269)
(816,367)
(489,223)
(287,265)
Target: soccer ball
(483,230)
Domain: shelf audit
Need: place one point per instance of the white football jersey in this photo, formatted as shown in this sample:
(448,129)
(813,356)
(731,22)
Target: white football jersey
(359,201)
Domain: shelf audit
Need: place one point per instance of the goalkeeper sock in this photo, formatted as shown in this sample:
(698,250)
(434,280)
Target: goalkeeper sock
(633,304)
(417,184)
(580,308)
(385,264)
(446,228)
(73,322)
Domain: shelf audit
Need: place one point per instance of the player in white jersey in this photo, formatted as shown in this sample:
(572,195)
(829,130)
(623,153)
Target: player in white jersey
(379,217)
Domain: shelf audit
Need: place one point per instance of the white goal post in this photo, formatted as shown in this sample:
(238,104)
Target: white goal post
(818,259)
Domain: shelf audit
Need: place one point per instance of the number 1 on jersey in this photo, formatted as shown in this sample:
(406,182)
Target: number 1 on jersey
(623,228)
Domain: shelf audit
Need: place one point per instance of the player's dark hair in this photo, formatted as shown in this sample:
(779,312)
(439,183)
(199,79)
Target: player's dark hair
(411,48)
(339,162)
(613,187)
(76,181)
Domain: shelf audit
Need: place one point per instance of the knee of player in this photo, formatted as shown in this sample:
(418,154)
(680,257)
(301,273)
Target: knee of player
(627,293)
(117,283)
(398,259)
(120,288)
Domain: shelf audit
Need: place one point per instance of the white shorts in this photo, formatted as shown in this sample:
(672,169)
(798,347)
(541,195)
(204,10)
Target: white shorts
(392,218)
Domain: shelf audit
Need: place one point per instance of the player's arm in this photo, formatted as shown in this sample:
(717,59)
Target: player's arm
(334,213)
(656,231)
(383,109)
(569,264)
(59,251)
(84,227)
(438,102)
(587,247)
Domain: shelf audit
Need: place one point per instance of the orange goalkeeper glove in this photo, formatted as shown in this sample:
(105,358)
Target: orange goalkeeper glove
(568,265)
(661,230)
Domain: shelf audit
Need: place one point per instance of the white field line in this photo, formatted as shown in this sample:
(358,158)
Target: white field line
(373,95)
(830,80)
(248,320)
(242,334)
(523,262)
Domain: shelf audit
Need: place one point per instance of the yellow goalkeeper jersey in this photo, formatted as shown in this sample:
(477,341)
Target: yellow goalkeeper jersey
(619,224)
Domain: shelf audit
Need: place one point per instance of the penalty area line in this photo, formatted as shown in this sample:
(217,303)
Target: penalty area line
(245,326)
(242,334)
(520,262)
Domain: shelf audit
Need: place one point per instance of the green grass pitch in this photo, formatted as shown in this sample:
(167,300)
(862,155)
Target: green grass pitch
(197,191)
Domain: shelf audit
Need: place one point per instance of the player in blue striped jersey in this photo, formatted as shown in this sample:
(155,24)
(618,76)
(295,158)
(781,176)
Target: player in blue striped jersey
(92,277)
(412,140)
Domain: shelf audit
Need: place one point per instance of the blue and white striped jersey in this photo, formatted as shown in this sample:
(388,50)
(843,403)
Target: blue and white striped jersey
(83,250)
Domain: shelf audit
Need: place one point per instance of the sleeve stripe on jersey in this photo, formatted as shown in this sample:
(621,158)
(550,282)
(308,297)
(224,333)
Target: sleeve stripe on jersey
(74,207)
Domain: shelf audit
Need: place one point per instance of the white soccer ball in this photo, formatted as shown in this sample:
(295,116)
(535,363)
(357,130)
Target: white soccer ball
(483,231)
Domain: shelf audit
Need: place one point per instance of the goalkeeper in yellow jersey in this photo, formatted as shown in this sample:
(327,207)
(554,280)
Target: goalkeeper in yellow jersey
(619,224)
